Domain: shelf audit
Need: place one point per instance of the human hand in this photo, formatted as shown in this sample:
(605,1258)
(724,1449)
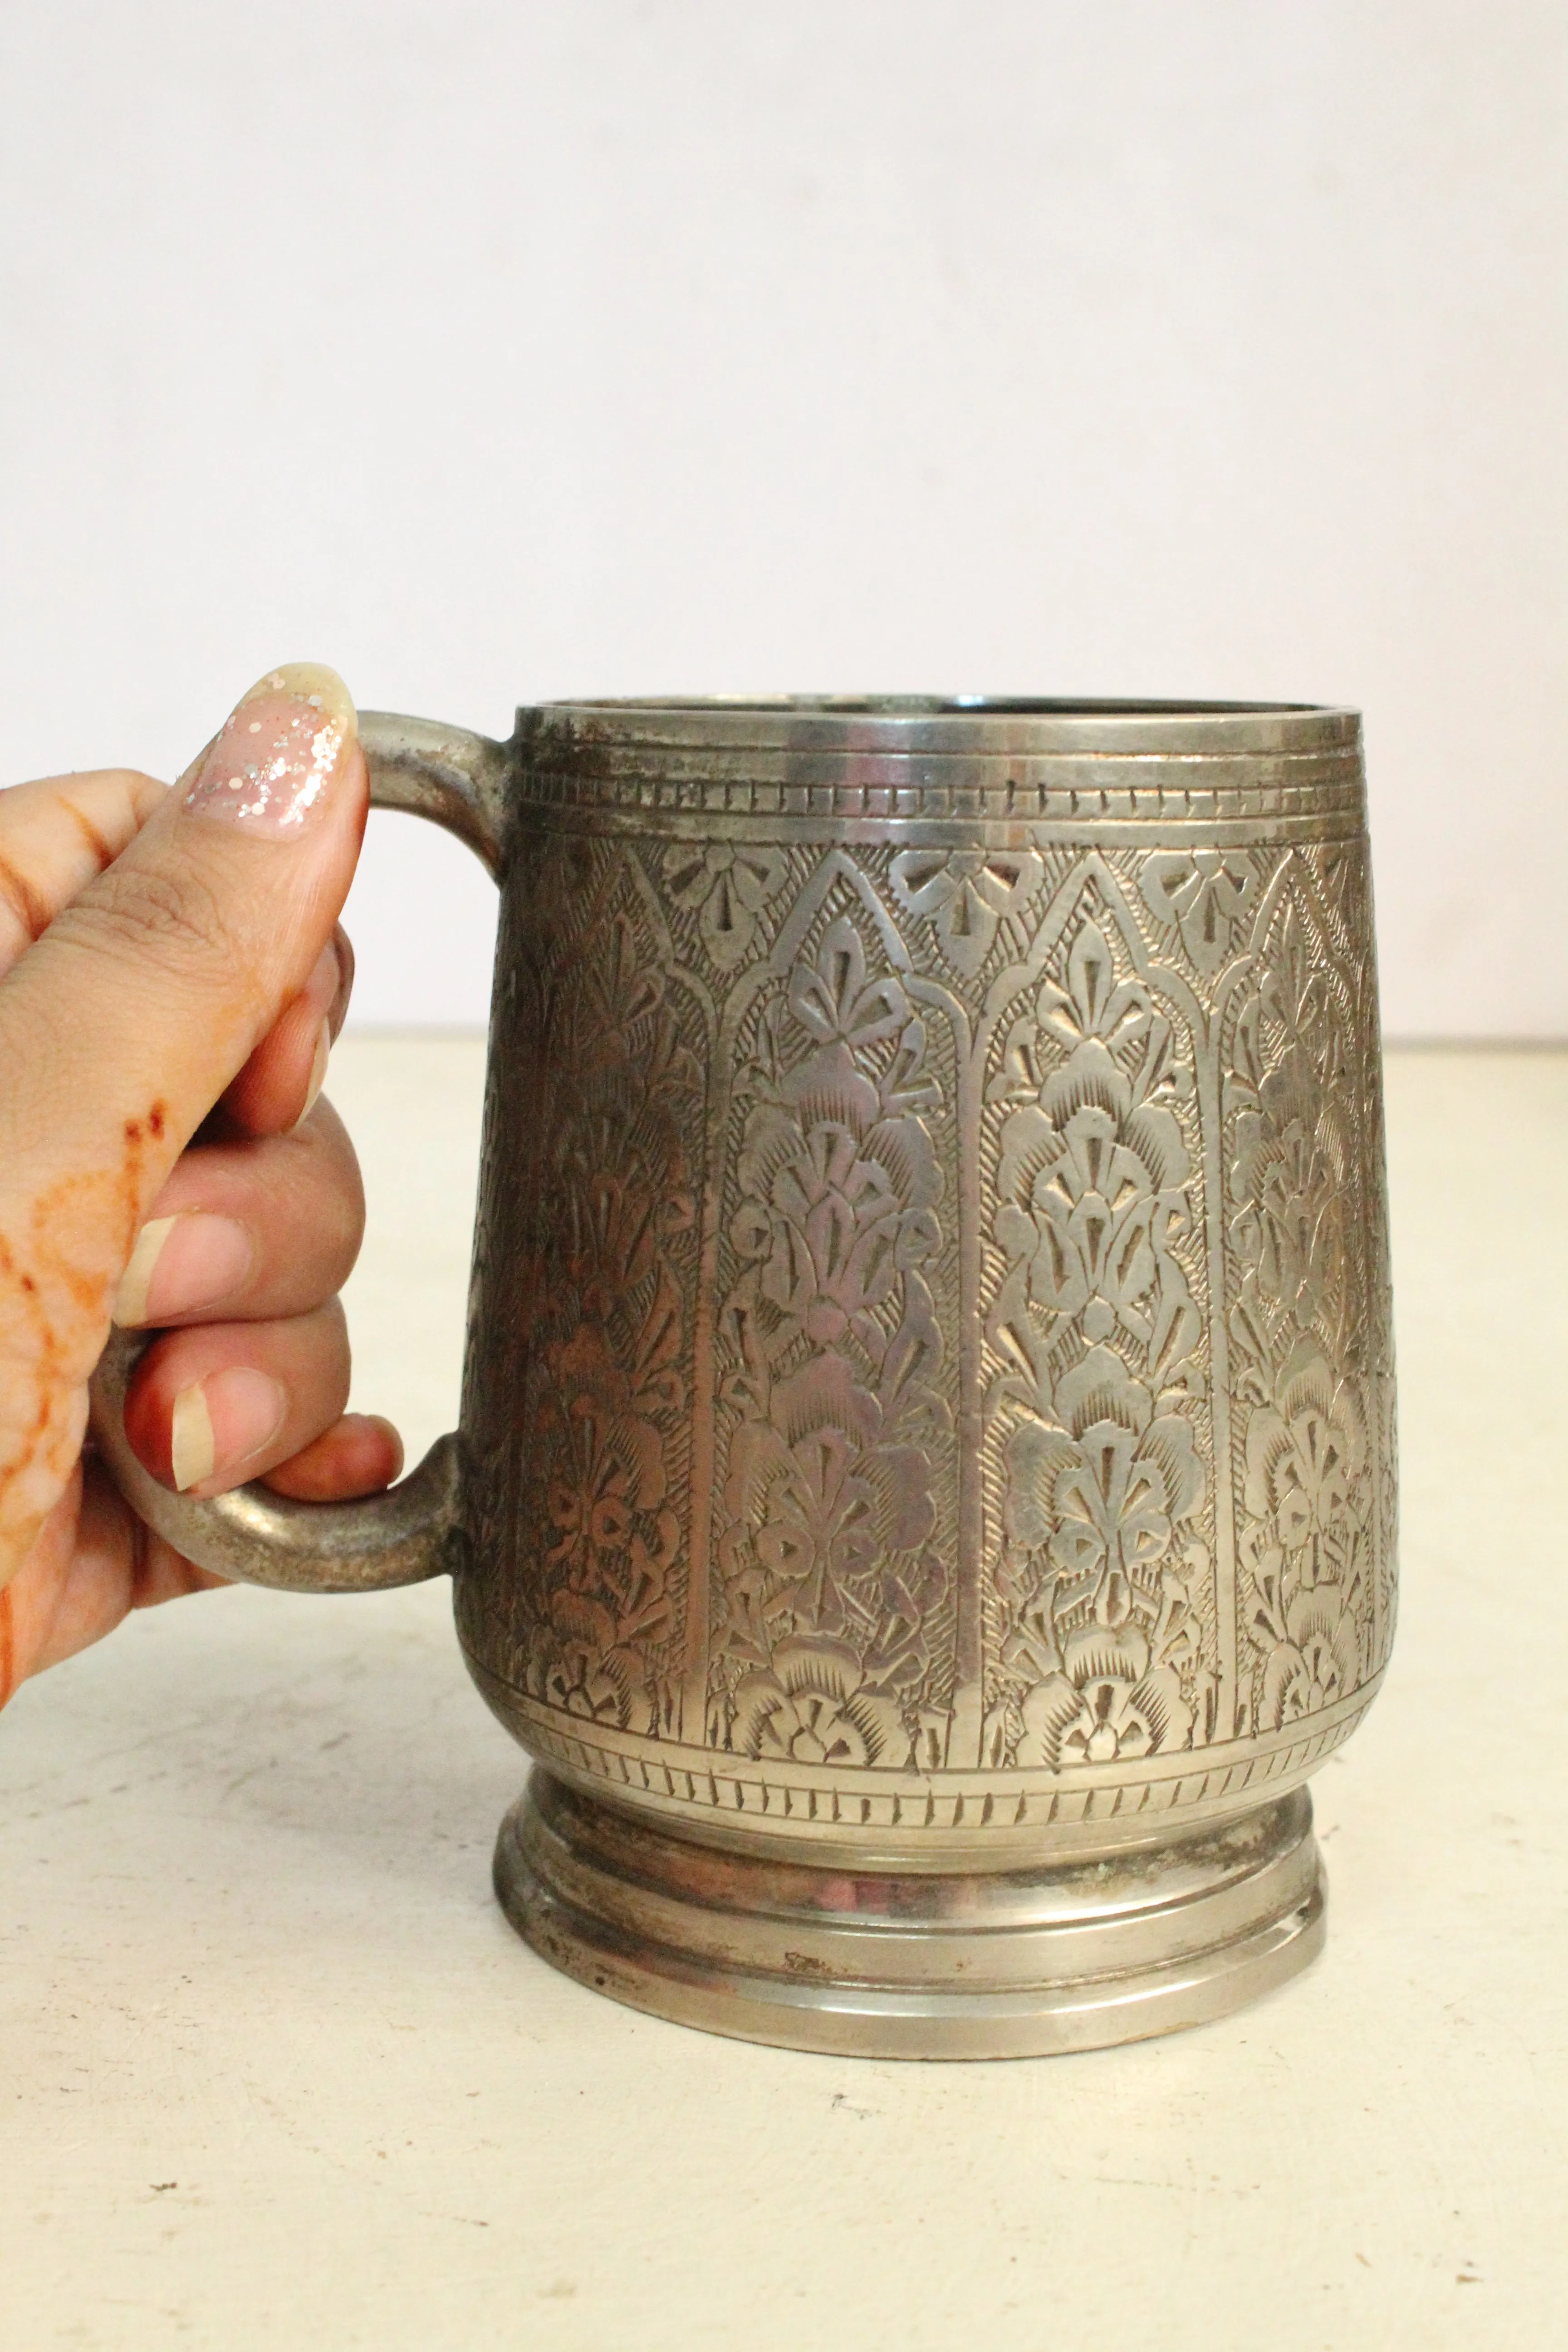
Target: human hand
(171,981)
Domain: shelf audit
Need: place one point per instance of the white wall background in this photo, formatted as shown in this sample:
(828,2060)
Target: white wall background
(501,348)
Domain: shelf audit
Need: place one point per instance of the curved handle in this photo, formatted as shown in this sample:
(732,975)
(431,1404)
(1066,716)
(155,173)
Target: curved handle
(444,773)
(458,781)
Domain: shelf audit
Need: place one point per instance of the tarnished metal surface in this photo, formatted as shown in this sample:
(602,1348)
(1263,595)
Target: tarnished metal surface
(932,1365)
(930,1396)
(994,1965)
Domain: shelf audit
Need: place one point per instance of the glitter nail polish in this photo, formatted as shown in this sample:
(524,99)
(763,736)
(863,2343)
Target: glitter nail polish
(276,758)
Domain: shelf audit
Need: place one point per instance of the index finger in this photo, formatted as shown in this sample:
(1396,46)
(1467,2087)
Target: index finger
(55,836)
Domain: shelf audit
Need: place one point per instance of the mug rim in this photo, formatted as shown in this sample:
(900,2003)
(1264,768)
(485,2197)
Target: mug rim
(961,724)
(958,706)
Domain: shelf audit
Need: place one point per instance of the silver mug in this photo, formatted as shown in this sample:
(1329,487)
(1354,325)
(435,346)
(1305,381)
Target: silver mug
(925,1487)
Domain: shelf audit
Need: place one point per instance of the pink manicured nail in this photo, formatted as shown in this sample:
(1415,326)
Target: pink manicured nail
(181,1265)
(277,757)
(221,1422)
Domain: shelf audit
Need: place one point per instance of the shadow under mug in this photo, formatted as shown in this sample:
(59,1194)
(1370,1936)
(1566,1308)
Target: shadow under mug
(925,1487)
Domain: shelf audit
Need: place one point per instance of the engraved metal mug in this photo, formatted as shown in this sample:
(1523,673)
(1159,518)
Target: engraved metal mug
(925,1488)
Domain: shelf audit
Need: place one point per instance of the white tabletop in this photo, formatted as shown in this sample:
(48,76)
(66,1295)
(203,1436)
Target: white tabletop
(274,2070)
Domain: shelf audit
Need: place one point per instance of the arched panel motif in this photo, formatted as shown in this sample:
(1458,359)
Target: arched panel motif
(1306,1300)
(609,1092)
(952,1323)
(1102,1632)
(833,1594)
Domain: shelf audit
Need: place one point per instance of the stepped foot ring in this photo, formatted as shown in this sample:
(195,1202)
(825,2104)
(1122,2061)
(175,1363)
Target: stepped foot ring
(983,1964)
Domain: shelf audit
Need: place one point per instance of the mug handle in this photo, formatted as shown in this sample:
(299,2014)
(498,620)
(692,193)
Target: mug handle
(458,781)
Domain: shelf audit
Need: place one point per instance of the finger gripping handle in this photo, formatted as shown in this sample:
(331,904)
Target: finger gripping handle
(260,1538)
(458,781)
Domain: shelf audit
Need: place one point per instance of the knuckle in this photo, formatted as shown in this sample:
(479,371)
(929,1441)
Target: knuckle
(333,1165)
(337,1218)
(317,1343)
(23,910)
(145,913)
(139,794)
(132,784)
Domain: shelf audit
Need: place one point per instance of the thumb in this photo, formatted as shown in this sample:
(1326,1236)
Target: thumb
(122,1027)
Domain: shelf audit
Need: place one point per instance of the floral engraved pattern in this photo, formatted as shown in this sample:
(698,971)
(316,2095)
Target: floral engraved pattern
(1302,1315)
(947,1292)
(833,1352)
(1099,1653)
(608,1393)
(966,894)
(813,1707)
(1205,893)
(728,884)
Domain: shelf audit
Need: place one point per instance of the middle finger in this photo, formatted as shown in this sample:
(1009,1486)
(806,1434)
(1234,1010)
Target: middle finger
(249,1230)
(209,1408)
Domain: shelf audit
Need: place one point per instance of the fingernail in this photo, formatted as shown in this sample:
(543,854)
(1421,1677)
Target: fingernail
(180,1264)
(221,1422)
(322,1055)
(277,755)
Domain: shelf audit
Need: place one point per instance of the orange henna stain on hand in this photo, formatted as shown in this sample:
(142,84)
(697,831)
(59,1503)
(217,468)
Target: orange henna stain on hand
(91,836)
(32,911)
(32,1435)
(83,1230)
(81,1226)
(99,1208)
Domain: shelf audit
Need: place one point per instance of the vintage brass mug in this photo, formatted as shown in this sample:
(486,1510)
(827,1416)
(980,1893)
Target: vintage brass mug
(925,1488)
